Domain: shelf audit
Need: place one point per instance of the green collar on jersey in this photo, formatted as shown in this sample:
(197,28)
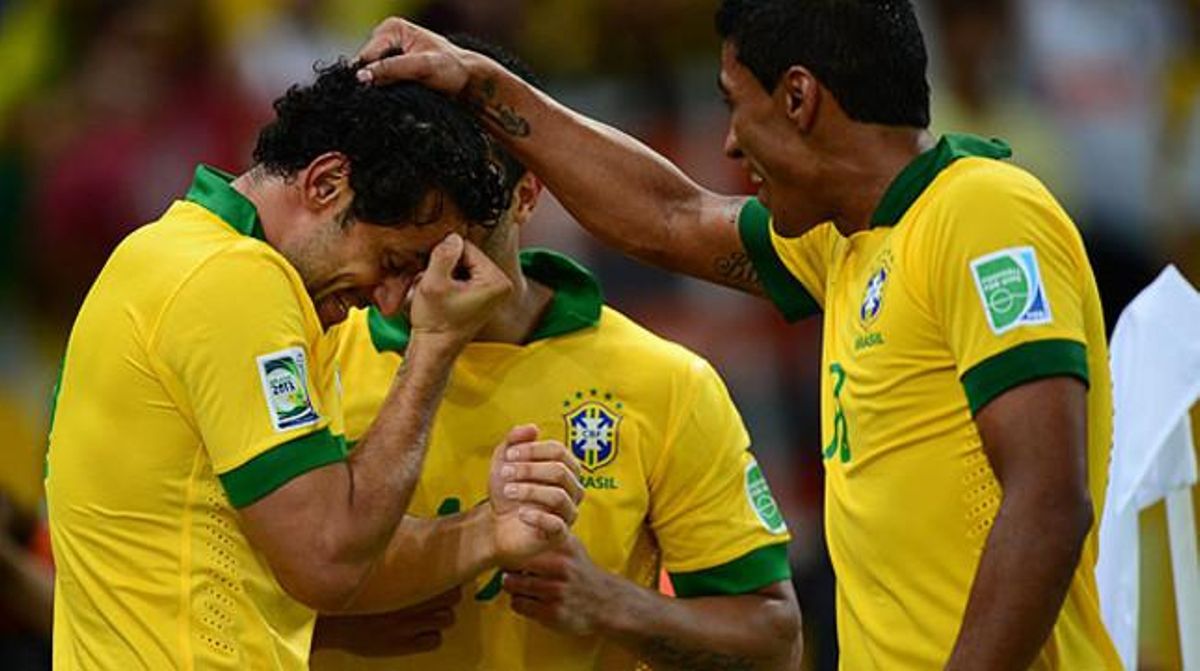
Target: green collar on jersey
(918,175)
(575,306)
(211,190)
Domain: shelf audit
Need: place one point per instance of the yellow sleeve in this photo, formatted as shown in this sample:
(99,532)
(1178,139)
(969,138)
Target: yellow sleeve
(1008,283)
(711,509)
(236,354)
(792,270)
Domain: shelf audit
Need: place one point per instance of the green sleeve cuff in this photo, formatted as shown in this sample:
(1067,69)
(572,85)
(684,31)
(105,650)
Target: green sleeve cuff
(782,287)
(276,467)
(1024,363)
(750,572)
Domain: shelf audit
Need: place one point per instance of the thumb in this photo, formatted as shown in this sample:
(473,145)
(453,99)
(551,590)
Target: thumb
(526,433)
(445,257)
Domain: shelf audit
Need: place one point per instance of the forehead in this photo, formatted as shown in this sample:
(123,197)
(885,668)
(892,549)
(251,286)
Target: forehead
(733,77)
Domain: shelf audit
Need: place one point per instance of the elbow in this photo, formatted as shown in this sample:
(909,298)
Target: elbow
(324,586)
(1069,516)
(782,628)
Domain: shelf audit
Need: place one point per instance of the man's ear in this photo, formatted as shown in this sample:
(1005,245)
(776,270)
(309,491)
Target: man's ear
(800,94)
(525,197)
(325,182)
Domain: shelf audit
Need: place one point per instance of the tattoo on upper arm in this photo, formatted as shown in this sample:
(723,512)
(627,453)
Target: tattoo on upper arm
(663,651)
(737,268)
(483,99)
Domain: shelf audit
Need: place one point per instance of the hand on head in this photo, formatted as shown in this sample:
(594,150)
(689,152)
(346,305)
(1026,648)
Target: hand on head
(424,57)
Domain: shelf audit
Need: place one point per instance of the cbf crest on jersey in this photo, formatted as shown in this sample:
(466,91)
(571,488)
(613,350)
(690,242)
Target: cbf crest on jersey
(872,302)
(593,432)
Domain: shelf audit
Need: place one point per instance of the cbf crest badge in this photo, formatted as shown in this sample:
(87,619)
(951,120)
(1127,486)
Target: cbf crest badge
(872,301)
(593,433)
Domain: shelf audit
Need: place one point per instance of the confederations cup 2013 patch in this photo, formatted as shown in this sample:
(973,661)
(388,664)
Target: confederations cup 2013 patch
(284,376)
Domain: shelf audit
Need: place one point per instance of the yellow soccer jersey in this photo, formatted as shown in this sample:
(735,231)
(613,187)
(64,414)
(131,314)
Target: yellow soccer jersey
(664,454)
(191,387)
(971,280)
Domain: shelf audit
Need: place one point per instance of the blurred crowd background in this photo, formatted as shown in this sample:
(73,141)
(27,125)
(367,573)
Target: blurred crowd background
(107,105)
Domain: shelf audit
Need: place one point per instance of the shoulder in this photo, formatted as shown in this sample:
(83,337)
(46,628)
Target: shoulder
(644,348)
(989,202)
(972,184)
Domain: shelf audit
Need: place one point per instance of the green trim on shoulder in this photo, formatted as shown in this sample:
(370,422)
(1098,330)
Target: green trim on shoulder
(920,173)
(782,287)
(750,572)
(211,190)
(281,464)
(576,305)
(1024,363)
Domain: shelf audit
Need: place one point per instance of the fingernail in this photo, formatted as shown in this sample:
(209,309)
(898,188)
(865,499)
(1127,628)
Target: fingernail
(512,454)
(510,491)
(526,515)
(508,471)
(365,76)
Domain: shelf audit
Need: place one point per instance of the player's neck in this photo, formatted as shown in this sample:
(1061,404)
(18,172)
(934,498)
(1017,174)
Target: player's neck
(520,314)
(269,199)
(526,305)
(868,163)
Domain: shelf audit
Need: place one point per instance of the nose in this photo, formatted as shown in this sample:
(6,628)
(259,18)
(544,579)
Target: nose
(389,294)
(731,143)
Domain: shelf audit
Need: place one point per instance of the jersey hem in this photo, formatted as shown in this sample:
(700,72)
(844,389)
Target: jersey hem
(784,289)
(281,464)
(1024,363)
(750,572)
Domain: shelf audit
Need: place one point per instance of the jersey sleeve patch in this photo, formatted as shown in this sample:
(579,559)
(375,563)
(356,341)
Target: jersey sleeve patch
(1011,288)
(284,376)
(782,287)
(758,493)
(276,467)
(750,572)
(1030,361)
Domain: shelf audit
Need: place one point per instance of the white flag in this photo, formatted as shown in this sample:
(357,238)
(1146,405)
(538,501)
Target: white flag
(1155,355)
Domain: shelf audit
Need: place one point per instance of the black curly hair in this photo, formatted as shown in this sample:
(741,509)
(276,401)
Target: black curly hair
(403,141)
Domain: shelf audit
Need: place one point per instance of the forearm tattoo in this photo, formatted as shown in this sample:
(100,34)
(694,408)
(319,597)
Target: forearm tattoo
(661,651)
(483,99)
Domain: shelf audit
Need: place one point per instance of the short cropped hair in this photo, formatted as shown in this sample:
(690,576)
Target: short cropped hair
(870,54)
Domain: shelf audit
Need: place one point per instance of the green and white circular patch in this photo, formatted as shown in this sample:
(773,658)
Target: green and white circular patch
(758,493)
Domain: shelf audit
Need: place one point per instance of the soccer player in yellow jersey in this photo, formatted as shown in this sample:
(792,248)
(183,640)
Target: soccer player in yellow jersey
(202,506)
(966,408)
(670,479)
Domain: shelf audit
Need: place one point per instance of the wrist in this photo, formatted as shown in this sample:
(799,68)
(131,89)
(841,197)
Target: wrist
(437,346)
(479,69)
(480,538)
(615,611)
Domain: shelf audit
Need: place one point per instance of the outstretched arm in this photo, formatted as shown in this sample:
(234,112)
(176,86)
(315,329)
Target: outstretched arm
(619,189)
